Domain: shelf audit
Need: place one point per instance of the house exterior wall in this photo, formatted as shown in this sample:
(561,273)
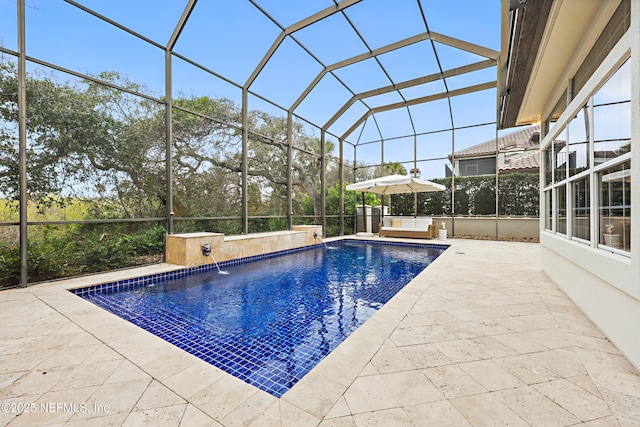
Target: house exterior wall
(603,281)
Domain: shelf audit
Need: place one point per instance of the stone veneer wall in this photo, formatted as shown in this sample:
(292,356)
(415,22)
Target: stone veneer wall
(186,249)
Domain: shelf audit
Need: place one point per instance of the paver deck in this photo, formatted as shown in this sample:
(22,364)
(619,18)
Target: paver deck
(482,337)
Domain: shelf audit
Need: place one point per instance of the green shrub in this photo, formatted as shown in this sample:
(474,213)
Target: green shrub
(9,265)
(55,251)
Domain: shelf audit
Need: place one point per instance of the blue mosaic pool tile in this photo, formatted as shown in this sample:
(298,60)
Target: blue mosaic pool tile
(273,361)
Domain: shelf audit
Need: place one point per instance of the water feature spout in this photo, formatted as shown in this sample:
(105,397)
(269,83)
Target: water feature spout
(315,236)
(217,266)
(206,251)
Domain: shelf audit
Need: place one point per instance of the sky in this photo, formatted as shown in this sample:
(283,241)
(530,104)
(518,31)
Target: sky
(231,37)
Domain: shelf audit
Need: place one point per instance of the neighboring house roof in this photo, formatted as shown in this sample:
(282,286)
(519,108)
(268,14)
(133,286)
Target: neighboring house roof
(527,138)
(528,162)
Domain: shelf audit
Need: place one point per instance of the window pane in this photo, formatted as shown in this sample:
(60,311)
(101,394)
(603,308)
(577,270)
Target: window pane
(612,116)
(548,214)
(581,210)
(615,206)
(548,166)
(579,143)
(561,197)
(612,131)
(560,156)
(617,88)
(473,167)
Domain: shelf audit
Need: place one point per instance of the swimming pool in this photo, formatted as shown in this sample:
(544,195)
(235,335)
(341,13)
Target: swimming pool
(270,320)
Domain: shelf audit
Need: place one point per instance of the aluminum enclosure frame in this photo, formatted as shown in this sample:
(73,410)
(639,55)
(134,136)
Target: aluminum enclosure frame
(491,59)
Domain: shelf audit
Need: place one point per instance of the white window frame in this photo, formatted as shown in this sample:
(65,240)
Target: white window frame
(585,97)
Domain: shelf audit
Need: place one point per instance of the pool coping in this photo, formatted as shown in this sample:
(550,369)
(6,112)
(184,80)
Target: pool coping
(312,398)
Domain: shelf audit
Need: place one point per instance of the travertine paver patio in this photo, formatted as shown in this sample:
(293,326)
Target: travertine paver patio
(481,337)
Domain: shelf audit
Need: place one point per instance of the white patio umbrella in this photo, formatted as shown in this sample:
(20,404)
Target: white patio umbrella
(395,184)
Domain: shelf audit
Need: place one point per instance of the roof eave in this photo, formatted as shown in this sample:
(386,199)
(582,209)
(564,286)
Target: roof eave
(522,40)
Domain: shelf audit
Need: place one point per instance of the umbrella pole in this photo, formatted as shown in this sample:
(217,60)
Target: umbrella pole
(364,215)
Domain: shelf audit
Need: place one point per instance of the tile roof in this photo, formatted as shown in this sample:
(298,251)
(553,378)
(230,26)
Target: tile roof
(523,139)
(527,161)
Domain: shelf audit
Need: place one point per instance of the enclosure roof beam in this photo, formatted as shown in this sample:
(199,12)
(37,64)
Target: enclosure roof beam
(430,98)
(422,100)
(490,54)
(463,45)
(355,125)
(410,83)
(293,28)
(264,60)
(362,57)
(320,15)
(430,78)
(183,19)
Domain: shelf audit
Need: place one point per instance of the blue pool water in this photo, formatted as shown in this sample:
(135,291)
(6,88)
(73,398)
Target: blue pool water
(270,321)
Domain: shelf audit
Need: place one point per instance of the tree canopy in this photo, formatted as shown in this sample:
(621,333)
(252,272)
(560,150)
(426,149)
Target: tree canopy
(95,142)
